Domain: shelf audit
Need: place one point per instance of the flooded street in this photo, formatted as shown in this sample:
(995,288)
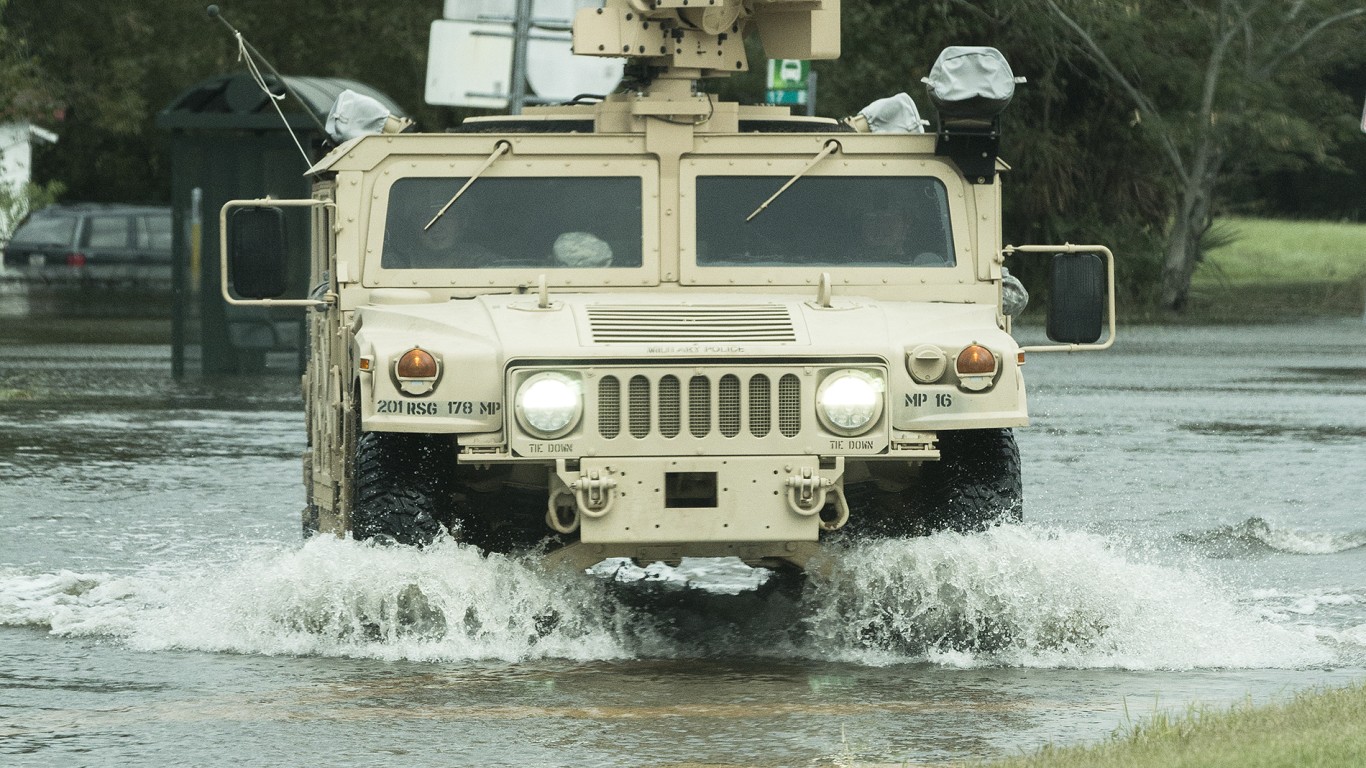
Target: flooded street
(1195,533)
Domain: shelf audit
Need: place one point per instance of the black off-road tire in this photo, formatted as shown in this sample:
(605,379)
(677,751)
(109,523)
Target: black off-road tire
(974,485)
(395,490)
(976,482)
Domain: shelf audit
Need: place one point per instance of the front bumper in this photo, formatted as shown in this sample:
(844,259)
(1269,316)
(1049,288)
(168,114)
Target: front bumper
(698,500)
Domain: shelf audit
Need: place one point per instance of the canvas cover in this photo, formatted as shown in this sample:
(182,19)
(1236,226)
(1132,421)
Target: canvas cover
(971,81)
(894,114)
(355,115)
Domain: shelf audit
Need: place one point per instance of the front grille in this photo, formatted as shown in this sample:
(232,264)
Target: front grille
(609,407)
(789,405)
(749,323)
(760,406)
(724,404)
(640,406)
(670,407)
(729,410)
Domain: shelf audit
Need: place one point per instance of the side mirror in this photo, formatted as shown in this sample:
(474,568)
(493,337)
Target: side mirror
(1076,308)
(256,252)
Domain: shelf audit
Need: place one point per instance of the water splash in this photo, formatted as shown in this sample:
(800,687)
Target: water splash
(1018,597)
(1011,596)
(1257,534)
(337,598)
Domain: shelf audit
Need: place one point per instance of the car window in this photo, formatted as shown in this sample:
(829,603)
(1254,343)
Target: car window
(106,232)
(51,230)
(153,233)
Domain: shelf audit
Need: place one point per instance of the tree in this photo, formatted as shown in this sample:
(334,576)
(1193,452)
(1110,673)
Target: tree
(116,63)
(1211,81)
(1080,168)
(25,96)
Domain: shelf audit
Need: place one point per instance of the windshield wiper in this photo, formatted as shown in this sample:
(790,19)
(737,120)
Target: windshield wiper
(830,146)
(498,152)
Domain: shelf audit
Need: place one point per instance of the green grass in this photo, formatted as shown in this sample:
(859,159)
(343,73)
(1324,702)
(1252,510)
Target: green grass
(1269,268)
(1315,729)
(1265,251)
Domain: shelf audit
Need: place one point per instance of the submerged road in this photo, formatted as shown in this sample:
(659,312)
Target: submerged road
(1195,533)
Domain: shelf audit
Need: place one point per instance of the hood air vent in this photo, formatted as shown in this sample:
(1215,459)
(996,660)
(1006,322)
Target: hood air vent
(751,323)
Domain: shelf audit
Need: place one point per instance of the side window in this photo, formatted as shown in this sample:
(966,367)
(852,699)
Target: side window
(153,233)
(106,232)
(54,230)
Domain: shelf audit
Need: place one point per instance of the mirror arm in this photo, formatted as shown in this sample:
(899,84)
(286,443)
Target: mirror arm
(223,253)
(1110,298)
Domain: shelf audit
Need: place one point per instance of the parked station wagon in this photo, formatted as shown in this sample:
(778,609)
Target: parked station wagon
(91,242)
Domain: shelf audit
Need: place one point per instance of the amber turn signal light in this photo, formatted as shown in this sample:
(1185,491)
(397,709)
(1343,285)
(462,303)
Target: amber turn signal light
(416,364)
(975,360)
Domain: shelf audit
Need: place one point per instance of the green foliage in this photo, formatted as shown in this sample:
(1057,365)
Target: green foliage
(24,92)
(119,62)
(1221,88)
(1083,170)
(15,204)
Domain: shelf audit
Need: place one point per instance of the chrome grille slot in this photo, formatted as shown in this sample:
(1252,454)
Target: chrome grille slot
(750,323)
(609,407)
(789,405)
(699,406)
(760,405)
(670,407)
(728,395)
(640,406)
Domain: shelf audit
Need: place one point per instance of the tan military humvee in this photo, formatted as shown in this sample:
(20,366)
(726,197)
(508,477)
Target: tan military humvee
(661,325)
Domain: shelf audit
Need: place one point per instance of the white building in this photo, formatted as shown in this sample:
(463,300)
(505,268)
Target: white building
(16,165)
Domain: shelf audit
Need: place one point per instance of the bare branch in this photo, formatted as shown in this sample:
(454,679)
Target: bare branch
(1275,61)
(1145,106)
(972,7)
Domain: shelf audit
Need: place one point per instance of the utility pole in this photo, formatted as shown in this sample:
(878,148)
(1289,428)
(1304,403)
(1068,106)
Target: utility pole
(521,35)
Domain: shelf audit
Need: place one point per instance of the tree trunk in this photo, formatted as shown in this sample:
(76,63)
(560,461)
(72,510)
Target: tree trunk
(1190,224)
(1183,252)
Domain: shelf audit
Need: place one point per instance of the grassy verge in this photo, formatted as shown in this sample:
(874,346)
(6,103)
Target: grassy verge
(1325,729)
(1274,269)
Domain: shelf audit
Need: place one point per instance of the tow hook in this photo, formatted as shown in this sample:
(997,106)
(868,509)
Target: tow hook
(594,493)
(806,492)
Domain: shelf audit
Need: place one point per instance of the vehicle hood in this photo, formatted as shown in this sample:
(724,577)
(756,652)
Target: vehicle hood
(633,326)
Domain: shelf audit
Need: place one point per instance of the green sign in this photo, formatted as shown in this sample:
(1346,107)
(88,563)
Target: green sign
(787,81)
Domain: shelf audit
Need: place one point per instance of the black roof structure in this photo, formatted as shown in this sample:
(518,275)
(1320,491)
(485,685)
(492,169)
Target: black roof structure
(236,101)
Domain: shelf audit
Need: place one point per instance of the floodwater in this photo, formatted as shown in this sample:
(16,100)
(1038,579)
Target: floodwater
(1195,535)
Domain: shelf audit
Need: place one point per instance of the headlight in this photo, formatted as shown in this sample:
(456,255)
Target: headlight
(849,402)
(549,404)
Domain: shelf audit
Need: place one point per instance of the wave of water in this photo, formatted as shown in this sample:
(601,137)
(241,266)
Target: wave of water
(1257,534)
(1012,596)
(334,598)
(1020,597)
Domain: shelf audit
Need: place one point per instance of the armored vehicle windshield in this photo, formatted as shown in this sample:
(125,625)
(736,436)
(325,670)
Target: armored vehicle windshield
(886,221)
(502,223)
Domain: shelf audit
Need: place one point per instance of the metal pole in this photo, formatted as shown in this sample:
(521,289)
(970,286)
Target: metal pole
(521,35)
(811,93)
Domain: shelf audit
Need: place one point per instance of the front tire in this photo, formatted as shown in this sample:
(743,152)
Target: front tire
(976,482)
(395,489)
(974,485)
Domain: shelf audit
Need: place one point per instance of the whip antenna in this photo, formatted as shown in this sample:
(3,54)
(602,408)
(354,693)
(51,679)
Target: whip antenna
(247,53)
